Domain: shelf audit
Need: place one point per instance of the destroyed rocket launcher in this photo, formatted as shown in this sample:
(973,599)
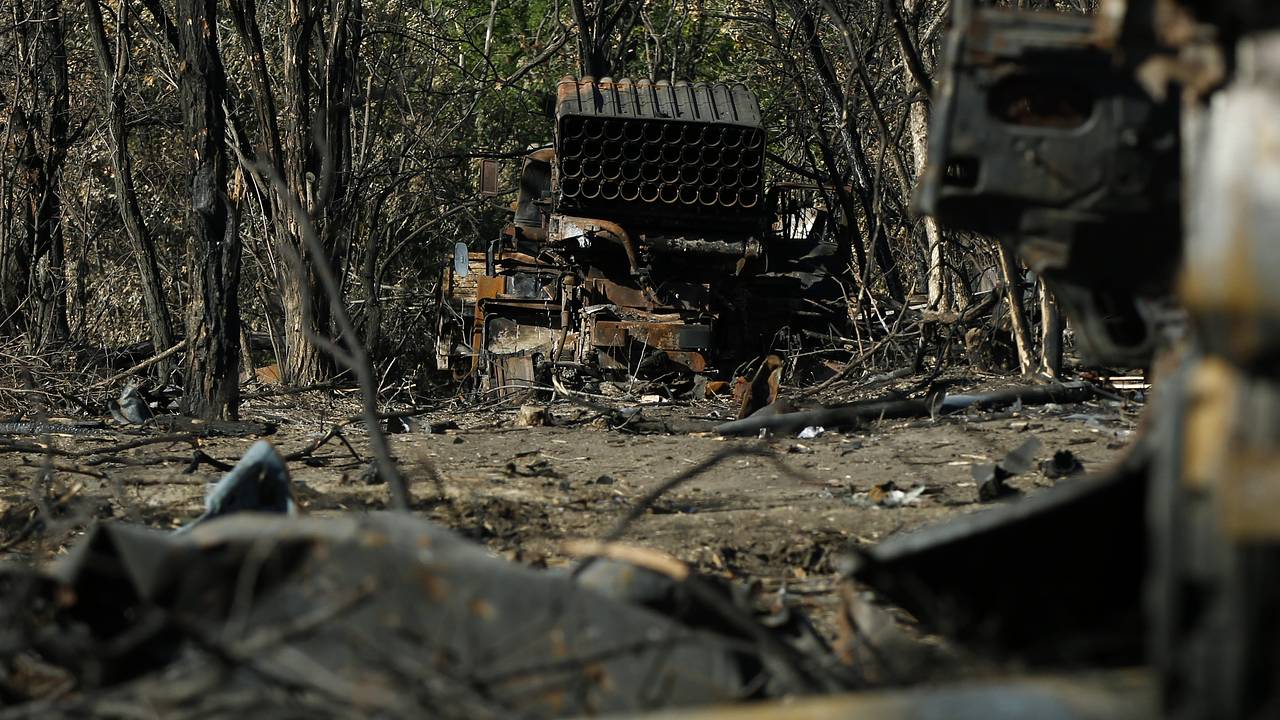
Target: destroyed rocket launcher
(668,153)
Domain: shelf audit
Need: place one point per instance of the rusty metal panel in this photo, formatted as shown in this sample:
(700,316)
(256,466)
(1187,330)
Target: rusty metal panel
(489,286)
(660,336)
(662,100)
(617,294)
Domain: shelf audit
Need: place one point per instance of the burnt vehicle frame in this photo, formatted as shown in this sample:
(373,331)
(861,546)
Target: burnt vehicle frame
(643,243)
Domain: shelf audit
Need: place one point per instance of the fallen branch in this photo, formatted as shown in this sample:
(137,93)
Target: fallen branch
(872,410)
(309,450)
(140,366)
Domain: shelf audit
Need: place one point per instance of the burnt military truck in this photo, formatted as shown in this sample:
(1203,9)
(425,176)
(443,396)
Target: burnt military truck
(643,243)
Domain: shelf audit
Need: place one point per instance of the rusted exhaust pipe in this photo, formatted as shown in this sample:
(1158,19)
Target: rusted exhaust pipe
(591,168)
(649,192)
(669,194)
(628,191)
(688,194)
(611,170)
(590,189)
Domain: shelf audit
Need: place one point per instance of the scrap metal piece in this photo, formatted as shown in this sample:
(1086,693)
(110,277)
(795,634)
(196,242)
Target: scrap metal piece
(376,615)
(131,408)
(1115,695)
(1046,139)
(258,483)
(1054,578)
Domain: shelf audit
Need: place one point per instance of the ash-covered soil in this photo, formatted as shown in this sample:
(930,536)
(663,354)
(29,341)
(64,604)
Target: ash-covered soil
(525,491)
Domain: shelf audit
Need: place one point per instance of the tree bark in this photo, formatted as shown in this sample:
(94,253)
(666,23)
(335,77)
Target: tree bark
(937,280)
(1012,277)
(1050,333)
(212,387)
(51,277)
(32,271)
(113,70)
(846,118)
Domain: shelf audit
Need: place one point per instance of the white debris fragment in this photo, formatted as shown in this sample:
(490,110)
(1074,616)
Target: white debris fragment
(811,432)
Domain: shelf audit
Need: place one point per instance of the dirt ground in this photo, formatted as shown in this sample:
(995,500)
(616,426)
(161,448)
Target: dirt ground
(524,491)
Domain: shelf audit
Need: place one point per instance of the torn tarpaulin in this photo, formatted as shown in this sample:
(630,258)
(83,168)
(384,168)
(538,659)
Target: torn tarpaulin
(381,615)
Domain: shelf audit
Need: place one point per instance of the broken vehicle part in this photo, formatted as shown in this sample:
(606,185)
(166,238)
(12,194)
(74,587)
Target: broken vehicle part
(1044,138)
(1115,695)
(1054,578)
(382,615)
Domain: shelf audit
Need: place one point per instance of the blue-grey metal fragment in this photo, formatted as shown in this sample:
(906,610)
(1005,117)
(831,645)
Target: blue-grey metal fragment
(258,483)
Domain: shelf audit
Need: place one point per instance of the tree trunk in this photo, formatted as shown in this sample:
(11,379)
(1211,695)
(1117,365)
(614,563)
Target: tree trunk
(938,281)
(16,253)
(305,308)
(212,387)
(33,272)
(1012,277)
(1050,333)
(846,117)
(51,276)
(113,70)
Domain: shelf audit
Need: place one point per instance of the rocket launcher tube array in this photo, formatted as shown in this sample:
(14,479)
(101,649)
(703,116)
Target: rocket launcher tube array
(709,165)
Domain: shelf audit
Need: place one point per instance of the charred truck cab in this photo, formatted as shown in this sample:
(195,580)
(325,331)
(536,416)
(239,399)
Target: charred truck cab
(642,244)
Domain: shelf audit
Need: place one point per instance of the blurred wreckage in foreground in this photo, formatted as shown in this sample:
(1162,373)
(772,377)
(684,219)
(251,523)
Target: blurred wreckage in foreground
(1133,159)
(644,242)
(1063,136)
